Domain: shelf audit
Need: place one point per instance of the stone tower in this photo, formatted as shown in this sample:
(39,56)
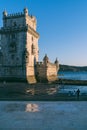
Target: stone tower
(18,47)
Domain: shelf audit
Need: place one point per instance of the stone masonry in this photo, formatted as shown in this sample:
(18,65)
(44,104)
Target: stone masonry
(19,50)
(47,71)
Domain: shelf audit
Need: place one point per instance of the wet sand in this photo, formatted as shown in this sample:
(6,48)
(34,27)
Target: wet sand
(35,92)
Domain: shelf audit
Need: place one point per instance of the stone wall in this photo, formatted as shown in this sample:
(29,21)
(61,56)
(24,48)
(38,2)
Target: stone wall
(46,71)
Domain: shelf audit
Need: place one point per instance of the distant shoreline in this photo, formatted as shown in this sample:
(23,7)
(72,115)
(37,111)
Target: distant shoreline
(72,68)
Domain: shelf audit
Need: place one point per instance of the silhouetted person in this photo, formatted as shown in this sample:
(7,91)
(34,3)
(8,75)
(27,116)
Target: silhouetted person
(78,93)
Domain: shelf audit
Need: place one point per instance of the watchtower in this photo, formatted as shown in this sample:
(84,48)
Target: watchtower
(18,46)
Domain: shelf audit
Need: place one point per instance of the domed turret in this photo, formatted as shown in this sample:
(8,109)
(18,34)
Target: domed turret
(56,61)
(5,13)
(57,64)
(46,59)
(26,11)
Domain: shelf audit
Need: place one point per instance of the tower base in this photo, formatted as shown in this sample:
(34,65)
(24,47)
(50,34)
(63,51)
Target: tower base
(31,79)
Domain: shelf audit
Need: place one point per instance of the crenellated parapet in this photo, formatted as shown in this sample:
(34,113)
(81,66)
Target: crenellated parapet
(20,21)
(39,64)
(46,62)
(10,16)
(15,15)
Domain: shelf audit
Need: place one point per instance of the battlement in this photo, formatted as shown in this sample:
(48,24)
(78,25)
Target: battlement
(17,15)
(42,64)
(19,19)
(39,63)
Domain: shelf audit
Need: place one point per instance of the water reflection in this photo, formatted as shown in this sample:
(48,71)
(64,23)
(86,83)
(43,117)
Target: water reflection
(52,91)
(30,91)
(32,108)
(43,90)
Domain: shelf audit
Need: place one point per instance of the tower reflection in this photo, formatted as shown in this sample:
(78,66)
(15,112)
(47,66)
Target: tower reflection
(32,108)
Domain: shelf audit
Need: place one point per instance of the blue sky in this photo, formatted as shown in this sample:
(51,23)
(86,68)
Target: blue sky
(62,25)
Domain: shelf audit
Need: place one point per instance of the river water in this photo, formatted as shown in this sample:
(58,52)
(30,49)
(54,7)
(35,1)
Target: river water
(81,75)
(31,115)
(43,115)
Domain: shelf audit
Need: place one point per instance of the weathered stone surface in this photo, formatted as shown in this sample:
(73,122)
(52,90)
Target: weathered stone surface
(47,71)
(19,50)
(18,46)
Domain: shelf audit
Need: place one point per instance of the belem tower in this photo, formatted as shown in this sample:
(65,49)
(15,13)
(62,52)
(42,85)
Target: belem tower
(19,51)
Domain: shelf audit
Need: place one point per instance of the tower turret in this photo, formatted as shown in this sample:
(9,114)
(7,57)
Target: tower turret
(25,11)
(46,59)
(57,64)
(5,13)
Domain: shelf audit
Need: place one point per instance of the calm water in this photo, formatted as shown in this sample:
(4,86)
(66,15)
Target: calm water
(73,75)
(43,115)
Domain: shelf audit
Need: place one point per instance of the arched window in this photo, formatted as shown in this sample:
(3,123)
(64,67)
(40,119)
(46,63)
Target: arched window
(1,58)
(33,49)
